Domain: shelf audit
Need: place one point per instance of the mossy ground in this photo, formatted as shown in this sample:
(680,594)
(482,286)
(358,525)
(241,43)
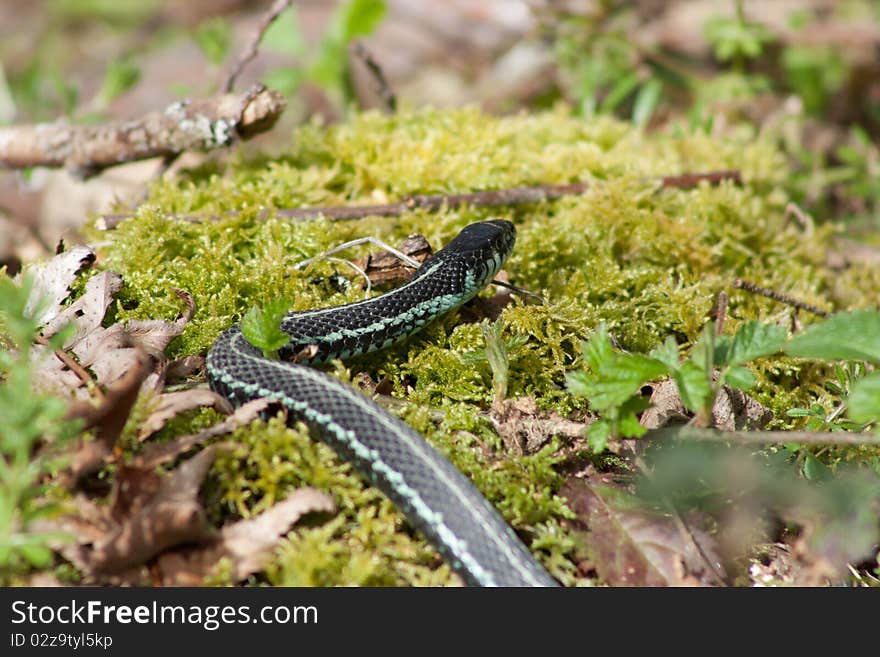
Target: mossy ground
(646,260)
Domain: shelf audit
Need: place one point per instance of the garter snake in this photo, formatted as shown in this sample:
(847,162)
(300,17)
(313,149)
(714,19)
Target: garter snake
(432,494)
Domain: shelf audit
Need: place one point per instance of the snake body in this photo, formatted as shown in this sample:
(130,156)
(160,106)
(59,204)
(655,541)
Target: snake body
(432,494)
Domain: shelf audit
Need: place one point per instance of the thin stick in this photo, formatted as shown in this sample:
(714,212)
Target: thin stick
(253,45)
(721,312)
(400,255)
(763,437)
(74,367)
(778,296)
(509,196)
(383,89)
(357,242)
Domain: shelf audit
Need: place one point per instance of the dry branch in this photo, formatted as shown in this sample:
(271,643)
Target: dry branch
(86,150)
(509,196)
(253,45)
(762,437)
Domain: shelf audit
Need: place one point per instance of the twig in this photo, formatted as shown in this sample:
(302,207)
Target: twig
(778,296)
(74,367)
(383,89)
(762,437)
(86,150)
(509,196)
(253,45)
(720,312)
(412,262)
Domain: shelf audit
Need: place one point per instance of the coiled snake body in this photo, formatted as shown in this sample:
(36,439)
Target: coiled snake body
(433,495)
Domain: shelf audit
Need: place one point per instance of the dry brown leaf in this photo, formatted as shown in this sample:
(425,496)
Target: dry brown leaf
(173,516)
(525,428)
(634,547)
(247,544)
(181,368)
(733,410)
(162,453)
(52,282)
(155,334)
(107,419)
(87,312)
(384,268)
(172,403)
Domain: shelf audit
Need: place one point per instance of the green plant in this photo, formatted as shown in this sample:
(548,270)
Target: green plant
(30,421)
(328,68)
(615,378)
(261,326)
(737,39)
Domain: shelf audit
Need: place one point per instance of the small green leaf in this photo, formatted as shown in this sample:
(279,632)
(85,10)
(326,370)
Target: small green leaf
(740,378)
(864,399)
(285,34)
(629,426)
(753,340)
(598,434)
(121,75)
(213,37)
(618,380)
(598,350)
(646,101)
(844,336)
(261,327)
(666,353)
(693,385)
(39,556)
(360,17)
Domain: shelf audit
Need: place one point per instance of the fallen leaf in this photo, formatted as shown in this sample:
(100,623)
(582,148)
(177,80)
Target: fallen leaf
(631,546)
(184,367)
(525,428)
(87,312)
(162,453)
(733,409)
(247,544)
(385,268)
(107,419)
(171,517)
(171,403)
(52,282)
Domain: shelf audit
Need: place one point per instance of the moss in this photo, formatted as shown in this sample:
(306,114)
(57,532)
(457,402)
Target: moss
(648,261)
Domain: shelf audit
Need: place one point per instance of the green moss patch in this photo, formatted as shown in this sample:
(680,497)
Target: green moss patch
(647,260)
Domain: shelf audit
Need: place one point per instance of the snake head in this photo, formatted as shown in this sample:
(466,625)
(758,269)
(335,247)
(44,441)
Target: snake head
(468,262)
(482,239)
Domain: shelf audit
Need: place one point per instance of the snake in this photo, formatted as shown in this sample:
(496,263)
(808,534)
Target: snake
(432,494)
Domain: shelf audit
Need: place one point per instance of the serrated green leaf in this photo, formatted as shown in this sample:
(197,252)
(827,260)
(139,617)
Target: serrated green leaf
(666,353)
(598,434)
(261,326)
(864,399)
(753,340)
(844,336)
(598,349)
(629,427)
(693,385)
(740,378)
(620,379)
